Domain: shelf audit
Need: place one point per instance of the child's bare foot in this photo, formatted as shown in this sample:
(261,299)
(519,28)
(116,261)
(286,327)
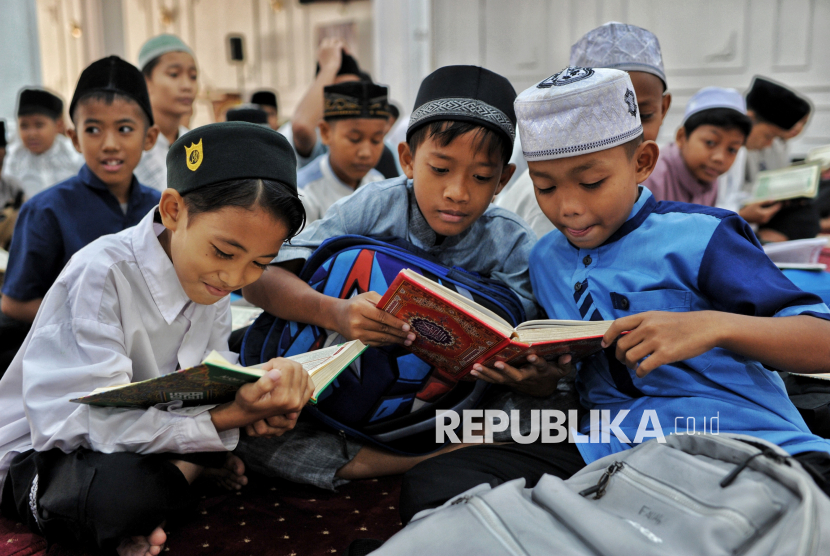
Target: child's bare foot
(151,545)
(230,476)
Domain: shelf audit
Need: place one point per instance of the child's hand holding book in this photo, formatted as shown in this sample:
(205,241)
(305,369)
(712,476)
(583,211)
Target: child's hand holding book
(284,389)
(359,318)
(538,377)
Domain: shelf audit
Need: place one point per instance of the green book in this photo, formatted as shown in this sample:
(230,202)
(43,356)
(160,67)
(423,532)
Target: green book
(821,156)
(800,180)
(216,380)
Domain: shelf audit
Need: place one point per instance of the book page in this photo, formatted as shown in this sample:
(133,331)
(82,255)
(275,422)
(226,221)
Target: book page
(553,323)
(786,183)
(820,155)
(215,358)
(483,313)
(804,251)
(562,332)
(314,360)
(328,368)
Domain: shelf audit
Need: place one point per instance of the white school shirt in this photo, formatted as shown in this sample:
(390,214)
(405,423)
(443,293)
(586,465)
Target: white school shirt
(521,199)
(152,169)
(320,188)
(116,314)
(36,172)
(733,188)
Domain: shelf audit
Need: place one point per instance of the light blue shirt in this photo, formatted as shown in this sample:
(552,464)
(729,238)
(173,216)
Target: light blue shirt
(677,257)
(497,245)
(320,187)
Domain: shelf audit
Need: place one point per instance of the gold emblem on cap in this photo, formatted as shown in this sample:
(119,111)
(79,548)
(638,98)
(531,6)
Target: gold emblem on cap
(194,155)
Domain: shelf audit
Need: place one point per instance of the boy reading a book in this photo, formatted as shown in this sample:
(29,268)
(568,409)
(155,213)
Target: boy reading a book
(113,127)
(612,45)
(456,160)
(775,110)
(137,305)
(705,309)
(714,128)
(355,117)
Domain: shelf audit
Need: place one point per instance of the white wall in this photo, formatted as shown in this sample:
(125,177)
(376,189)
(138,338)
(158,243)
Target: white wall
(20,59)
(704,42)
(403,57)
(280,40)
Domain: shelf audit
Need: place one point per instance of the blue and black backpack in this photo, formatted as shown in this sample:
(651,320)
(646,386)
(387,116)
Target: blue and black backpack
(377,397)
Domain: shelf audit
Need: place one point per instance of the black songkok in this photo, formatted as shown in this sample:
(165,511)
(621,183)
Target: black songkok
(3,141)
(247,113)
(39,101)
(468,94)
(264,98)
(112,75)
(227,151)
(776,104)
(355,99)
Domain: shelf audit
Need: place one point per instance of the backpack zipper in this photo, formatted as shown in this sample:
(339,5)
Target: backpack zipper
(638,479)
(493,522)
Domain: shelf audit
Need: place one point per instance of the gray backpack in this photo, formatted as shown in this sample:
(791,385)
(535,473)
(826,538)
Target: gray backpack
(694,495)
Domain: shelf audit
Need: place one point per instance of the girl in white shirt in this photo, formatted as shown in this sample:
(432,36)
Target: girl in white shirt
(136,305)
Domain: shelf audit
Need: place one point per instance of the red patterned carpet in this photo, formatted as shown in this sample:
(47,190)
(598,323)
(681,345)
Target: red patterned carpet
(268,518)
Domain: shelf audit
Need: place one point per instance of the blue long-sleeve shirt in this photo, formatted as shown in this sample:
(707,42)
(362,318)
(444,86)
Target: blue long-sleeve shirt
(677,257)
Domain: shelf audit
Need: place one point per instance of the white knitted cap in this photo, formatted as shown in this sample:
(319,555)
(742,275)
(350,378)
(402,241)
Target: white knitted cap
(577,111)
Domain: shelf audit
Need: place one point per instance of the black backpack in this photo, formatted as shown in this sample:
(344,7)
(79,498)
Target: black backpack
(388,396)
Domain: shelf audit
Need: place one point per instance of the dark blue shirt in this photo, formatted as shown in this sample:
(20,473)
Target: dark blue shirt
(677,257)
(59,221)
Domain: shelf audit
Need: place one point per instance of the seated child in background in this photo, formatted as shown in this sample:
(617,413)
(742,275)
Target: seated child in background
(137,305)
(113,127)
(612,45)
(335,65)
(705,307)
(714,128)
(355,120)
(169,67)
(774,110)
(44,156)
(798,218)
(267,102)
(455,161)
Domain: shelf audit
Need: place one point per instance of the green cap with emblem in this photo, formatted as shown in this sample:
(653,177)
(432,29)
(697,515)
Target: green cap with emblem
(228,151)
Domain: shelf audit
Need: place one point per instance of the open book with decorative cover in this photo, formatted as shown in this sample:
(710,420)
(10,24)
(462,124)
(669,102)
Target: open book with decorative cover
(216,380)
(454,332)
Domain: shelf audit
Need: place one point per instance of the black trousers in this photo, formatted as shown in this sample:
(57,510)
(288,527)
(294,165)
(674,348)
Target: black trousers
(88,499)
(434,481)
